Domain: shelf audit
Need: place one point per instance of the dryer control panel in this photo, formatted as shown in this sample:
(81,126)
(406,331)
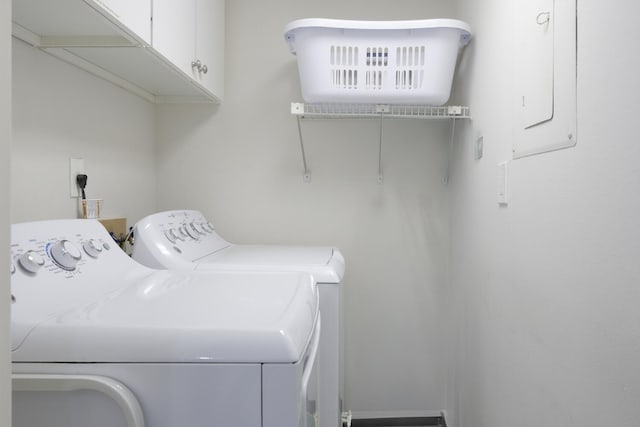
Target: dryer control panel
(186,240)
(175,239)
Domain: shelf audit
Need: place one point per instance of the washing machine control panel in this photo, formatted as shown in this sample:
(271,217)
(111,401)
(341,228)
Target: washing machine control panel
(56,253)
(175,239)
(60,264)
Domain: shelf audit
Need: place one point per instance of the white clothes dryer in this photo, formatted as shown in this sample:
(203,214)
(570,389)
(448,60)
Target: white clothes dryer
(186,239)
(100,340)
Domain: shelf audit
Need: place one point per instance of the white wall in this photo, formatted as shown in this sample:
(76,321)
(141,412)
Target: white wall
(59,112)
(240,163)
(547,288)
(5,144)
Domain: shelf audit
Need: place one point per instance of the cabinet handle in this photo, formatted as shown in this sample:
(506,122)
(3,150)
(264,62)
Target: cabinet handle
(200,66)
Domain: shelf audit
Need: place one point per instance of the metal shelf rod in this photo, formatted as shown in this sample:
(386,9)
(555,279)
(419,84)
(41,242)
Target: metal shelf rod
(307,173)
(380,175)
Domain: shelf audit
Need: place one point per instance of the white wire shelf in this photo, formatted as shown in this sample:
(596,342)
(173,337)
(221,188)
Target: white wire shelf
(363,111)
(304,111)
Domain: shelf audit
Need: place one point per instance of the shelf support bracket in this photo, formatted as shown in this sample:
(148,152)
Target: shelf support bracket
(307,173)
(380,174)
(445,179)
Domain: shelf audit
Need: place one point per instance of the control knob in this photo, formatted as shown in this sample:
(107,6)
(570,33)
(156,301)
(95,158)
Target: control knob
(65,255)
(171,235)
(31,261)
(197,228)
(92,248)
(191,231)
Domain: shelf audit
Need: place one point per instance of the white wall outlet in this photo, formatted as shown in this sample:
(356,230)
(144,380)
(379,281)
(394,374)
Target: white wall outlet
(76,166)
(502,183)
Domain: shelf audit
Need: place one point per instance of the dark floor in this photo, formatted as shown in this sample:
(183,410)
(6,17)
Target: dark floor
(400,422)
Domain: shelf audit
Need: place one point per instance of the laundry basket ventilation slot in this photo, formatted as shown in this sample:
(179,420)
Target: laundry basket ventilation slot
(377,56)
(409,67)
(344,60)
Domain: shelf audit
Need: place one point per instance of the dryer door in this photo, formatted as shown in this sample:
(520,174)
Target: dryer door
(290,391)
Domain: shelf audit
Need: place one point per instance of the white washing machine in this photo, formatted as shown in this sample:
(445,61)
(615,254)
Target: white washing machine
(100,340)
(185,239)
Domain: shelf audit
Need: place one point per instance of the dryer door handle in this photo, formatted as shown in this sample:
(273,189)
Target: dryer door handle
(310,366)
(117,391)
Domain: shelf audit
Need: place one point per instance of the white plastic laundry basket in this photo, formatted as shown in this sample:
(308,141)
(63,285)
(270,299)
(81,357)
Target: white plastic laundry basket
(394,62)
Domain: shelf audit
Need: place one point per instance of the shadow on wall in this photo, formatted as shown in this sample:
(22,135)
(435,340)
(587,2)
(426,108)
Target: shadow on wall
(191,119)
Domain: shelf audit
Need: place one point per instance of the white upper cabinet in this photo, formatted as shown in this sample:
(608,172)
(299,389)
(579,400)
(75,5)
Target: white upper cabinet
(190,34)
(134,14)
(174,31)
(210,45)
(144,46)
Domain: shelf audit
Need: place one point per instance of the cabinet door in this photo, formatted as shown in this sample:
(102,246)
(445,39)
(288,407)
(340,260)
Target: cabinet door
(174,24)
(134,14)
(210,44)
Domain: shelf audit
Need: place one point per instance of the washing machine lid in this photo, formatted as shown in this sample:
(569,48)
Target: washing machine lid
(185,317)
(325,263)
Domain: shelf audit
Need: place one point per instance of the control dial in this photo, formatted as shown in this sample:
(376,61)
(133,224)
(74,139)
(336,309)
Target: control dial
(31,261)
(178,234)
(171,235)
(191,231)
(196,227)
(92,248)
(65,254)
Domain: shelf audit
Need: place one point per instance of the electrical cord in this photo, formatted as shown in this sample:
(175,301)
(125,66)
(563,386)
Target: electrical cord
(82,183)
